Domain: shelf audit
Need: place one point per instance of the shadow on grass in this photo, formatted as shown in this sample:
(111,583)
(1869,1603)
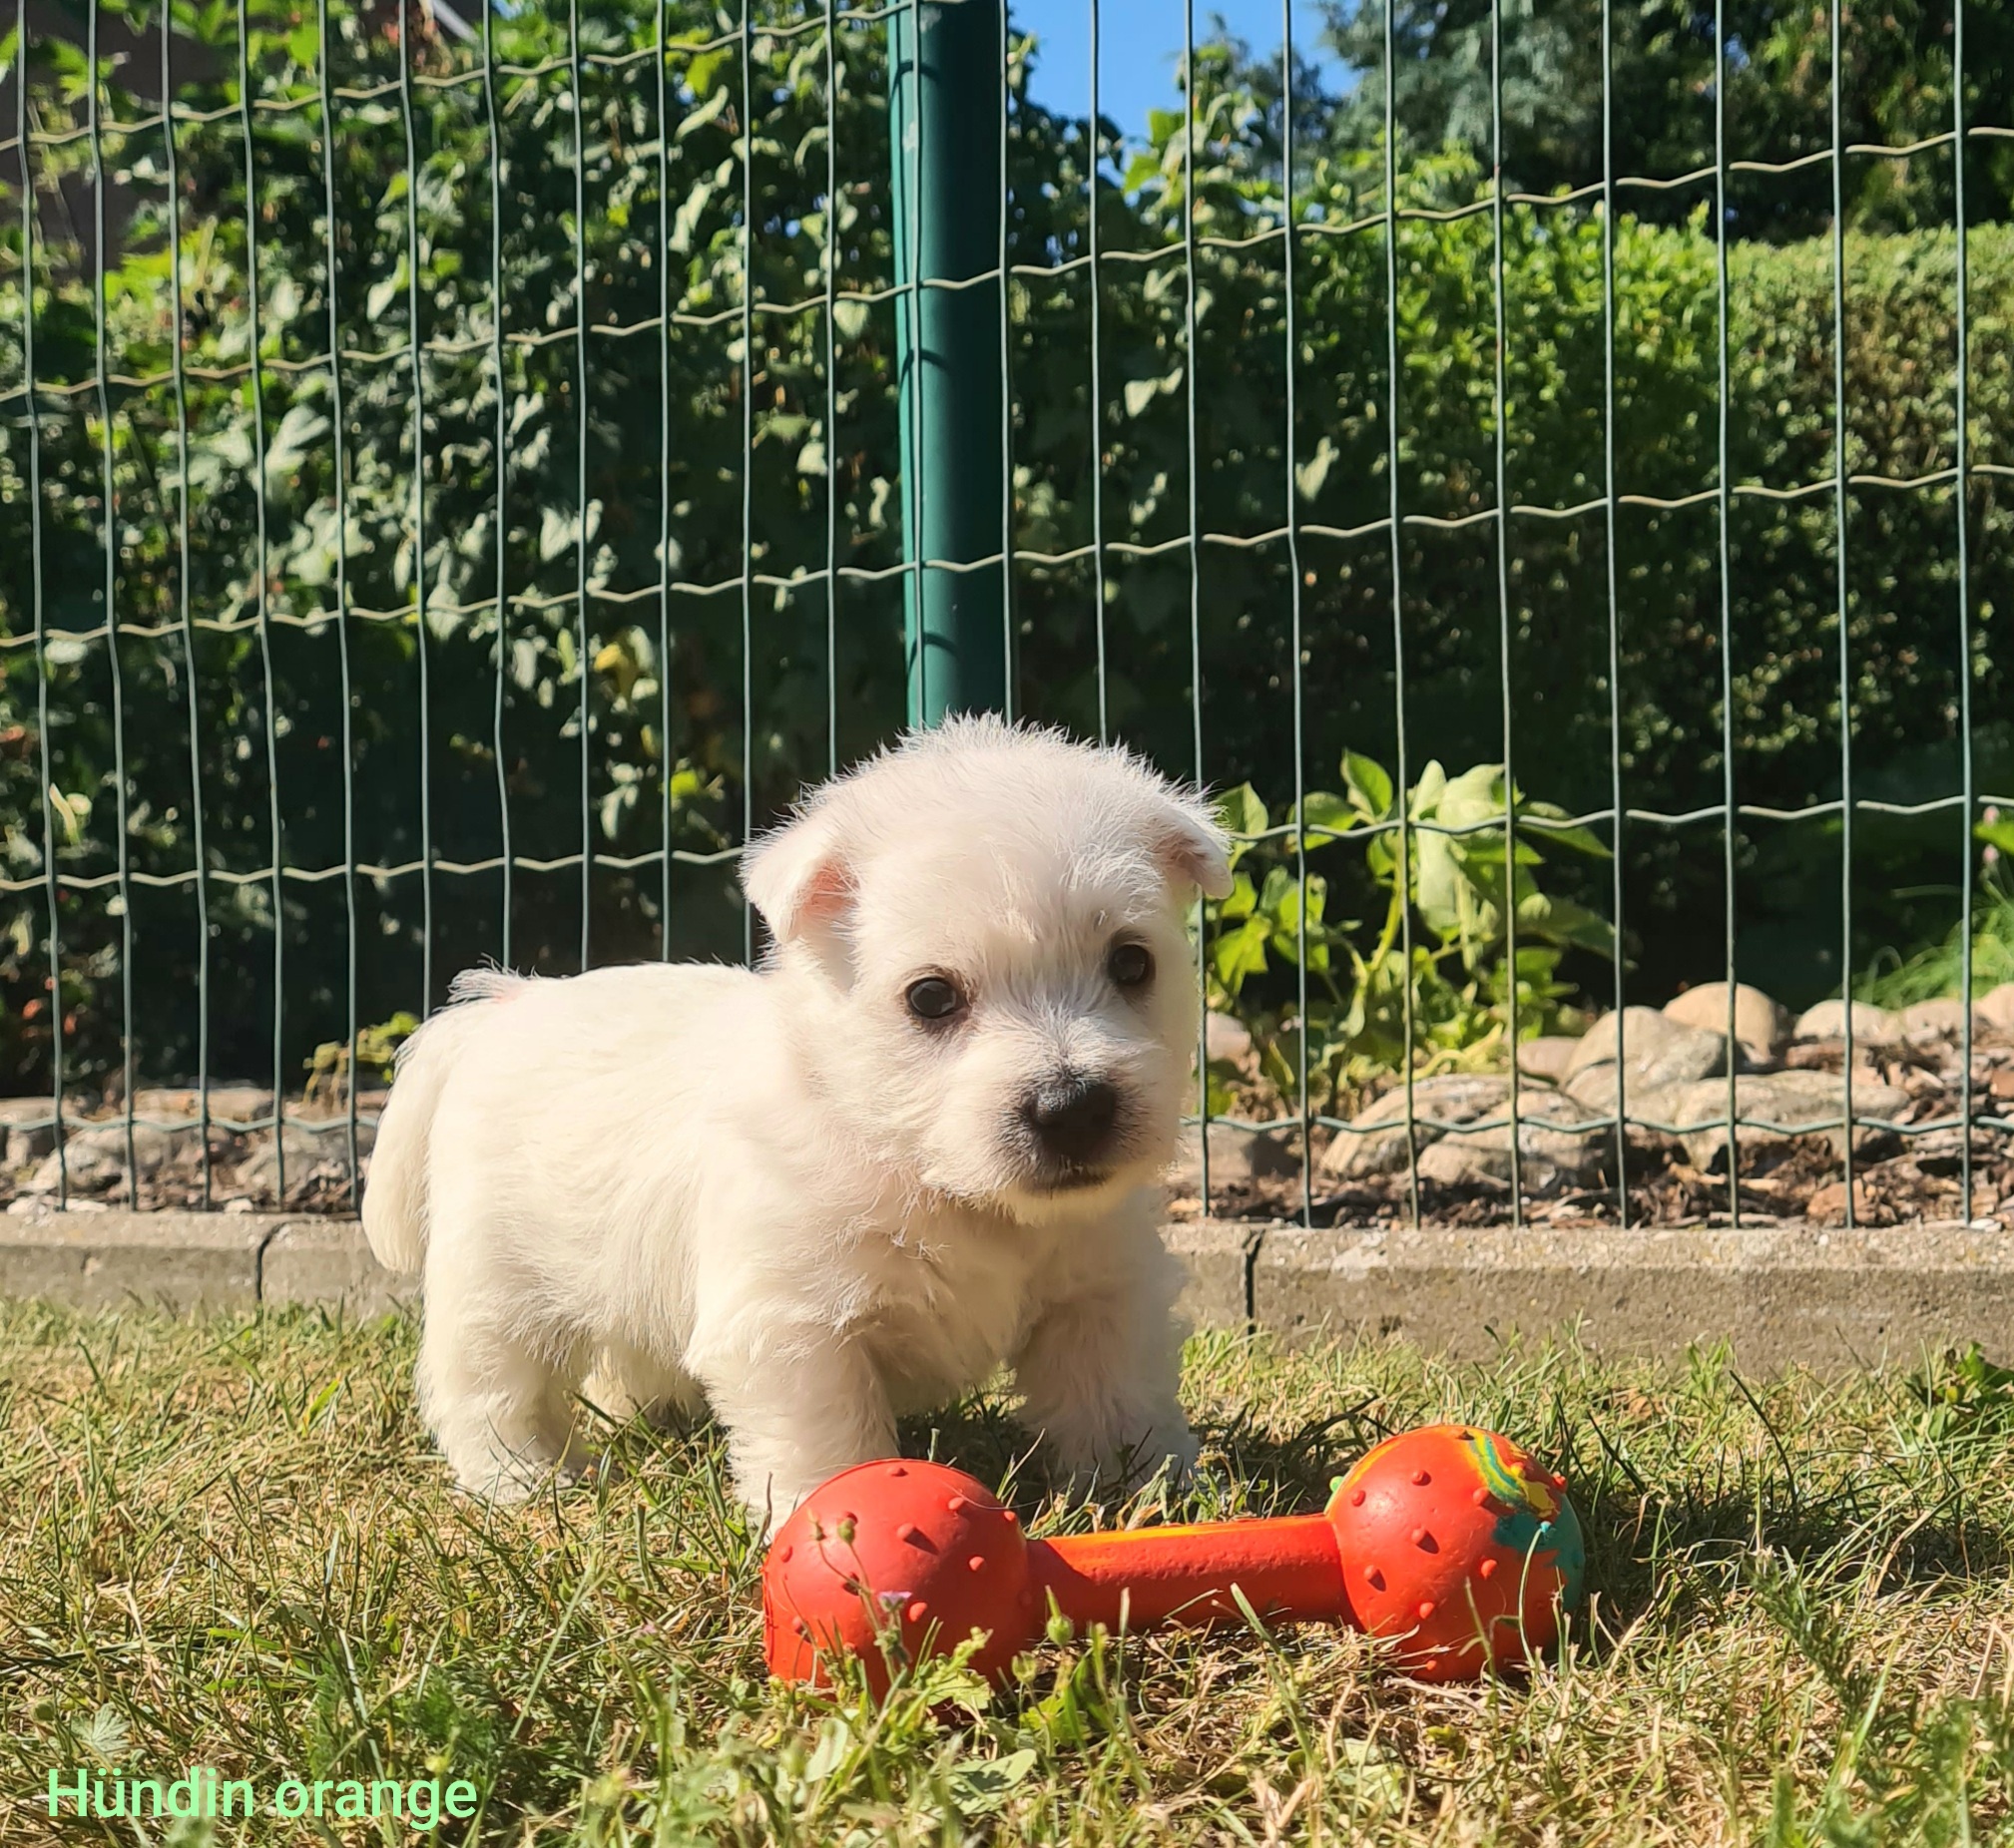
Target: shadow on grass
(1677,1520)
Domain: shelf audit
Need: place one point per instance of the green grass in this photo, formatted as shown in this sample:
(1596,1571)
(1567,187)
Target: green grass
(224,1542)
(1938,970)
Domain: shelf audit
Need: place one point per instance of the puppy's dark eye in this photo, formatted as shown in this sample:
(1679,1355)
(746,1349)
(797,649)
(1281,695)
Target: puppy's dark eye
(1129,963)
(934,999)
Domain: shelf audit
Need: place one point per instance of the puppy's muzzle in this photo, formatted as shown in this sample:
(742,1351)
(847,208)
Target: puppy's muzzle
(1072,1122)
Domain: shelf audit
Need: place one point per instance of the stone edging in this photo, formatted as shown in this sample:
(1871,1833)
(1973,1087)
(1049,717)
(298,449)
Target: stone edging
(212,1260)
(1823,1299)
(1777,1296)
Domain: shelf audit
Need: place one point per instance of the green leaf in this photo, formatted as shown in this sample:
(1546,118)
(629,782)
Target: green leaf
(1242,954)
(1560,920)
(1240,900)
(298,431)
(980,1786)
(1320,810)
(705,68)
(1310,475)
(1476,796)
(1369,784)
(1439,879)
(1426,793)
(835,1741)
(1240,811)
(1579,839)
(386,291)
(321,1402)
(1286,923)
(1372,1776)
(105,1736)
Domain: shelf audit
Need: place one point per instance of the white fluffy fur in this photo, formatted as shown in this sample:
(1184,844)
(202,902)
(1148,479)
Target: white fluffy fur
(773,1190)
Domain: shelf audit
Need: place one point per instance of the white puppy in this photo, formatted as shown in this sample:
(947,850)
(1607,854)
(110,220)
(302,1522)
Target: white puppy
(919,1140)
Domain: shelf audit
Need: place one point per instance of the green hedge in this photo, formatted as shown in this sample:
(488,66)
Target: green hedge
(667,740)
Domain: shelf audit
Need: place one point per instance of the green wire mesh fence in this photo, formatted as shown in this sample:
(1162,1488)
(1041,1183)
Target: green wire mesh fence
(463,477)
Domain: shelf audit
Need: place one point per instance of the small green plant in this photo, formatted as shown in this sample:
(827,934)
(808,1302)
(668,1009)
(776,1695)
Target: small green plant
(1938,972)
(1963,1389)
(1453,877)
(377,1047)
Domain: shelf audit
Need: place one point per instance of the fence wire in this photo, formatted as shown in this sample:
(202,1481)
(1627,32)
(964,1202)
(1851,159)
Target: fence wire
(293,135)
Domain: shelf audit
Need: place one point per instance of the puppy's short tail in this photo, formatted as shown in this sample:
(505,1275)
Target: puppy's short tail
(395,1199)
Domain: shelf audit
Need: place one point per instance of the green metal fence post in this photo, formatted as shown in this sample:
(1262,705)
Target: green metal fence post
(944,154)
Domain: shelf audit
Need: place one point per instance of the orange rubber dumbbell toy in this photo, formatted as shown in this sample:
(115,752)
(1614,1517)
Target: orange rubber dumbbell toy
(1449,1538)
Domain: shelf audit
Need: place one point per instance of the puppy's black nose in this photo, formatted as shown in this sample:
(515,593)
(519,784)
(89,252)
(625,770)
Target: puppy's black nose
(1073,1118)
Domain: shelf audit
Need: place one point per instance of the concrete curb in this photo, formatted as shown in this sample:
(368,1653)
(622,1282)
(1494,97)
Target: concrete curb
(189,1260)
(328,1262)
(1822,1299)
(96,1260)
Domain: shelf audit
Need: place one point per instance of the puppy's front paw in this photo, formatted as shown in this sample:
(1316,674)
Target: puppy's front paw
(1175,1448)
(494,1473)
(768,1513)
(1167,1452)
(772,1497)
(1167,1449)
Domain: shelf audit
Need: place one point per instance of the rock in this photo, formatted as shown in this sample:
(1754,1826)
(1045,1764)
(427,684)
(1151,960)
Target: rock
(1547,1058)
(1683,1060)
(1658,1049)
(30,1125)
(229,1104)
(1236,1157)
(1996,1008)
(1831,1055)
(1873,1025)
(95,1156)
(1828,1205)
(1374,1141)
(1593,1094)
(1761,1026)
(1550,1156)
(1797,1103)
(335,1106)
(1642,1030)
(1917,1083)
(1934,1020)
(1226,1037)
(309,1146)
(26,1145)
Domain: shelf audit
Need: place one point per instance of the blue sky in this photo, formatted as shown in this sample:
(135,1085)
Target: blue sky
(1140,47)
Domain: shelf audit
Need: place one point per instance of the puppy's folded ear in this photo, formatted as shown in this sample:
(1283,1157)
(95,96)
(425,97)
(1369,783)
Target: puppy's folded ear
(1194,850)
(797,878)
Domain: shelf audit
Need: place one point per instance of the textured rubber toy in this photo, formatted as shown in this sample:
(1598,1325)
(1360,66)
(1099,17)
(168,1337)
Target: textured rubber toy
(1456,1539)
(888,1559)
(1451,1538)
